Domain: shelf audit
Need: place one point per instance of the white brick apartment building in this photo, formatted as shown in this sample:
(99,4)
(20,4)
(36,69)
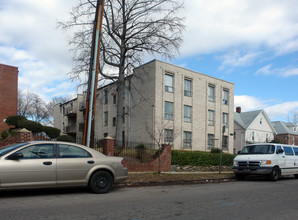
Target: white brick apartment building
(188,105)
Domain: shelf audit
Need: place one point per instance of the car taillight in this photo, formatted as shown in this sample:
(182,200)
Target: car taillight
(123,162)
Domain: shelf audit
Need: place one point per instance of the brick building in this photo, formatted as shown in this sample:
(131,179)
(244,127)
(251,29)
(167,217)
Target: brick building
(8,93)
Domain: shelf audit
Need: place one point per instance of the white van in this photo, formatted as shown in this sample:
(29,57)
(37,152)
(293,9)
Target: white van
(272,160)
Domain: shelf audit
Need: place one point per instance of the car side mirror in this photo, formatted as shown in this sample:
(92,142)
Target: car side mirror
(280,151)
(16,156)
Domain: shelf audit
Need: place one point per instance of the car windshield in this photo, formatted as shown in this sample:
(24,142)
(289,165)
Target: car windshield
(258,149)
(8,148)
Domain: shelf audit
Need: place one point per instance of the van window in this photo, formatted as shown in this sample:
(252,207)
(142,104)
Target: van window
(278,148)
(258,149)
(295,150)
(288,151)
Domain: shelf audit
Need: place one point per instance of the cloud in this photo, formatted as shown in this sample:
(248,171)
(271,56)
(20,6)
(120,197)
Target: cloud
(216,26)
(283,72)
(275,111)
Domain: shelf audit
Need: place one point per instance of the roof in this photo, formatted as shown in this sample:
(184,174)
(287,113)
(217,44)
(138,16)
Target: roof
(244,119)
(284,127)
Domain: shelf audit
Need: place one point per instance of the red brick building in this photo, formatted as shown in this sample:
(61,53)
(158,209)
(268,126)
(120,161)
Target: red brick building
(8,93)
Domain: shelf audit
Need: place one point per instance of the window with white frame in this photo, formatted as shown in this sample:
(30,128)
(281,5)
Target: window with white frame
(187,113)
(186,139)
(187,87)
(253,135)
(210,141)
(225,96)
(210,117)
(225,119)
(106,116)
(169,110)
(168,136)
(211,93)
(169,83)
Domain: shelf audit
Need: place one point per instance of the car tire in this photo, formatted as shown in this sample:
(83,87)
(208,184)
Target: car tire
(275,173)
(296,176)
(240,176)
(100,182)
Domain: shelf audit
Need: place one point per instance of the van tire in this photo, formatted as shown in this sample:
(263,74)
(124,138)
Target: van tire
(296,176)
(240,176)
(275,173)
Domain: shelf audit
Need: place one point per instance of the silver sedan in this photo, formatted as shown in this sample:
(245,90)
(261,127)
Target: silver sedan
(54,164)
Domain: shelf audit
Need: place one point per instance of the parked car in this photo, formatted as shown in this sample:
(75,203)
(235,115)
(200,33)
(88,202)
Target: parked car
(54,164)
(272,160)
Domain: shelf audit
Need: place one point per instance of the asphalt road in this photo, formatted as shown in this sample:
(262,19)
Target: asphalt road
(251,199)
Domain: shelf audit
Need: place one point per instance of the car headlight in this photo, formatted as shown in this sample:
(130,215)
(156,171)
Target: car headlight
(235,162)
(265,162)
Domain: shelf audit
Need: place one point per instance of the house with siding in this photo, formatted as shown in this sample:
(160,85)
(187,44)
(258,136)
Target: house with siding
(178,102)
(251,127)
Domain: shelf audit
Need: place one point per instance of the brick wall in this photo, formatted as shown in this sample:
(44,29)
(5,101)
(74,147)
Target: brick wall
(287,138)
(8,93)
(165,158)
(21,137)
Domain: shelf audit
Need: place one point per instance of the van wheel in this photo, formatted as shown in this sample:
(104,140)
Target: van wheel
(100,182)
(240,176)
(274,175)
(296,176)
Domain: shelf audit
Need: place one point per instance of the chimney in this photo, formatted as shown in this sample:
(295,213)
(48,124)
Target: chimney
(238,109)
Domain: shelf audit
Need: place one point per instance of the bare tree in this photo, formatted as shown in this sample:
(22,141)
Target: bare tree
(292,117)
(34,108)
(162,133)
(131,30)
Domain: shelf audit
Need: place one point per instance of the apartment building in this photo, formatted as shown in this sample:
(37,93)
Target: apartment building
(8,93)
(163,101)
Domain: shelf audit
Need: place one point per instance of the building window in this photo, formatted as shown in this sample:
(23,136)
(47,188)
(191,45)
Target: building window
(168,136)
(253,135)
(114,99)
(105,118)
(225,119)
(106,93)
(123,115)
(123,96)
(169,110)
(225,143)
(210,141)
(186,139)
(211,94)
(187,113)
(225,97)
(187,87)
(105,135)
(267,138)
(114,121)
(261,120)
(210,117)
(169,83)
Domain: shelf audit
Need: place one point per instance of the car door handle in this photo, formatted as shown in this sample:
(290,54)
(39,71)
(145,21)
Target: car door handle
(91,162)
(47,163)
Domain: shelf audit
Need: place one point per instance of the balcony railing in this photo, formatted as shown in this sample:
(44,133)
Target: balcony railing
(70,129)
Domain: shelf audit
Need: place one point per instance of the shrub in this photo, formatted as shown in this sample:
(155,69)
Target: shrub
(4,134)
(51,132)
(140,151)
(32,126)
(198,158)
(215,150)
(66,138)
(14,120)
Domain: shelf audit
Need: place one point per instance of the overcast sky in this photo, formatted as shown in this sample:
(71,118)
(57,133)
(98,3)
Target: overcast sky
(251,43)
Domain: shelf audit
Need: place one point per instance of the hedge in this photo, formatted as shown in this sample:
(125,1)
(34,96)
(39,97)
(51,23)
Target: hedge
(199,158)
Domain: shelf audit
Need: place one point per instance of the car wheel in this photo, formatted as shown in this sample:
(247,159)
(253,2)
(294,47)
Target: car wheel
(274,175)
(100,182)
(240,176)
(296,176)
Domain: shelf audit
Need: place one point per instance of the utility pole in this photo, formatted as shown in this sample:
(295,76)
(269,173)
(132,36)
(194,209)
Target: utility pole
(93,76)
